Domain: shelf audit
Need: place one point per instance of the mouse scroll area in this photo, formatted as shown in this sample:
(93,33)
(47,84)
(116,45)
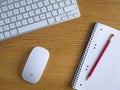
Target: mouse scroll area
(35,65)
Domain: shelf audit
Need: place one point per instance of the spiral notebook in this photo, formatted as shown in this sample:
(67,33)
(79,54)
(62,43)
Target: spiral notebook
(106,75)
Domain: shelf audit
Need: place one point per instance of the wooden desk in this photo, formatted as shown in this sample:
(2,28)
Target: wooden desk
(65,41)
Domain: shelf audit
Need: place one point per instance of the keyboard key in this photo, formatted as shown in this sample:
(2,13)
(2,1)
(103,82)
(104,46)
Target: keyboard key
(17,5)
(3,15)
(70,16)
(34,6)
(1,29)
(3,3)
(13,19)
(6,27)
(23,2)
(1,22)
(73,1)
(42,16)
(52,1)
(43,10)
(16,11)
(31,13)
(18,24)
(9,13)
(55,6)
(36,18)
(58,19)
(19,17)
(4,8)
(32,26)
(40,4)
(7,34)
(76,15)
(16,0)
(13,32)
(67,2)
(63,15)
(7,20)
(28,8)
(10,6)
(60,11)
(62,4)
(22,10)
(29,1)
(30,20)
(12,25)
(10,1)
(51,20)
(49,14)
(46,2)
(64,18)
(35,0)
(69,8)
(24,22)
(1,36)
(59,0)
(50,8)
(25,15)
(54,13)
(37,11)
(73,12)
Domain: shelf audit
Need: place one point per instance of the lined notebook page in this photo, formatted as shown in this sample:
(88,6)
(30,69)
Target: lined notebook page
(106,75)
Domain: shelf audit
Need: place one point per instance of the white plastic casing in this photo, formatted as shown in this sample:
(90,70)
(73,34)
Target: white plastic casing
(35,65)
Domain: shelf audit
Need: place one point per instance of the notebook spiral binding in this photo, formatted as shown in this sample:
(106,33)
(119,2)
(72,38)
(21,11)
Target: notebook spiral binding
(79,68)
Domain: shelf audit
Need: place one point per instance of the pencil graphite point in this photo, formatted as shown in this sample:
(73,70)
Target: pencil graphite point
(112,35)
(87,78)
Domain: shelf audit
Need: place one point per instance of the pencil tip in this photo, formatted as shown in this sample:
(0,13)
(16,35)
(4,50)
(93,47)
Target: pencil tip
(112,35)
(87,78)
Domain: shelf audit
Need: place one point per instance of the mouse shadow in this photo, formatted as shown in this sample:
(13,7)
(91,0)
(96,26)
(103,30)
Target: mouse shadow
(23,61)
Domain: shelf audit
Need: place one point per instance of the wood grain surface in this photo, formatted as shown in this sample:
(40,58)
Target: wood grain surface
(66,43)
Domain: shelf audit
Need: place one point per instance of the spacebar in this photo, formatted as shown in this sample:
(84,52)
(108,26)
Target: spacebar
(32,27)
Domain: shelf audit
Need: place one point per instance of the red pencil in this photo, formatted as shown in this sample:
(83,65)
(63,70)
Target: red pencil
(97,61)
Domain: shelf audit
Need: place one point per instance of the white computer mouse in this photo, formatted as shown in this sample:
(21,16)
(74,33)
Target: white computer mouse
(35,65)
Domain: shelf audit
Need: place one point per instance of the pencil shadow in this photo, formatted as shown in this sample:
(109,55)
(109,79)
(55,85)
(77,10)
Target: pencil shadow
(22,62)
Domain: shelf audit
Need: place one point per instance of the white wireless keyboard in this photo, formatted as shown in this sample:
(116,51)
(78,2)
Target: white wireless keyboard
(22,16)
